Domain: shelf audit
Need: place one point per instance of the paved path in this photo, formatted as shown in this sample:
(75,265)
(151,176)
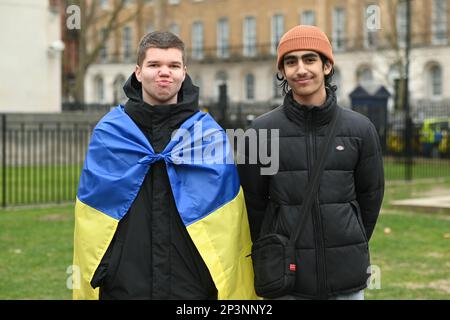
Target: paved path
(441,203)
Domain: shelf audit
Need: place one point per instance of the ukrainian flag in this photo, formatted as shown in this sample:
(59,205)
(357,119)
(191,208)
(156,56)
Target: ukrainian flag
(204,183)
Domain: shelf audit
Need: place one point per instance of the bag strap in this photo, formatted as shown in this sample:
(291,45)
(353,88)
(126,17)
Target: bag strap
(313,185)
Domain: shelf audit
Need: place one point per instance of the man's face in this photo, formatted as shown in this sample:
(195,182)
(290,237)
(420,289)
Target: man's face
(161,74)
(305,74)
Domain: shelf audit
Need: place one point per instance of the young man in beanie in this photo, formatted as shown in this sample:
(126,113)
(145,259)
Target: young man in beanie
(332,254)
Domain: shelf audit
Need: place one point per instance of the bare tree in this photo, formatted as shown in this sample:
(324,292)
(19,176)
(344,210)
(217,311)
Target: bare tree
(90,40)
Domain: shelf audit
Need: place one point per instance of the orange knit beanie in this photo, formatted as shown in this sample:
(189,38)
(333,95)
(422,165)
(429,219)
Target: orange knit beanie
(304,38)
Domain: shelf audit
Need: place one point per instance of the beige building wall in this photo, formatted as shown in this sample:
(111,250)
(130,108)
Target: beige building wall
(350,61)
(30,64)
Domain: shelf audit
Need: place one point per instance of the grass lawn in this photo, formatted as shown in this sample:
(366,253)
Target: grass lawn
(40,184)
(412,249)
(58,183)
(35,252)
(413,259)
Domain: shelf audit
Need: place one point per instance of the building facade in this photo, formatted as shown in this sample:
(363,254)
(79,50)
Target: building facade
(234,42)
(30,78)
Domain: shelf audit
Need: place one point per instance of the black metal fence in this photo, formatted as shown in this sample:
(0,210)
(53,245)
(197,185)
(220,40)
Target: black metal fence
(429,138)
(41,161)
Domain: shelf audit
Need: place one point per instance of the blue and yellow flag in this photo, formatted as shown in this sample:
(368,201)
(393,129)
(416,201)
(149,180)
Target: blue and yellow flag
(204,183)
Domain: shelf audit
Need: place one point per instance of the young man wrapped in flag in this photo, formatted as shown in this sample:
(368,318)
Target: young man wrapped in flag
(160,212)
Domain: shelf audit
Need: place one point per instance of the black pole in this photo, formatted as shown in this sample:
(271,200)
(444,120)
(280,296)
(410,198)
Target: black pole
(408,120)
(3,160)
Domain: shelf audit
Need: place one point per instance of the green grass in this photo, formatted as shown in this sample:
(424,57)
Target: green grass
(57,183)
(35,251)
(41,184)
(414,258)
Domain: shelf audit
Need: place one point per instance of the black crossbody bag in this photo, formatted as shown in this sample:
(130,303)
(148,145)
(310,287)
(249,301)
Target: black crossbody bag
(273,255)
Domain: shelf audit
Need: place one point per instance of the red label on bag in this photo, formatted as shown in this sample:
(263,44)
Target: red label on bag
(292,267)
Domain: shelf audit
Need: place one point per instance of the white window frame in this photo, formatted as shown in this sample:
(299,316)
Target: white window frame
(337,81)
(223,36)
(365,76)
(277,91)
(370,36)
(119,94)
(339,22)
(99,85)
(277,31)
(249,36)
(439,32)
(401,24)
(432,78)
(150,27)
(250,87)
(175,28)
(308,17)
(104,4)
(197,40)
(103,54)
(127,43)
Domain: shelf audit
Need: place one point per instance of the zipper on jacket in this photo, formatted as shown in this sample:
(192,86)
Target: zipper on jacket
(321,250)
(317,225)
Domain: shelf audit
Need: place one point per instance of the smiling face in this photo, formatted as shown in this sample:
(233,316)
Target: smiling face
(161,74)
(305,74)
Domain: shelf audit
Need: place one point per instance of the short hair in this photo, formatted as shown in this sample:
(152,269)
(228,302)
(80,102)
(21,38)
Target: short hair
(328,78)
(159,39)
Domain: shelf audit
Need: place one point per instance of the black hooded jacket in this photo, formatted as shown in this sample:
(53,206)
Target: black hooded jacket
(332,254)
(151,255)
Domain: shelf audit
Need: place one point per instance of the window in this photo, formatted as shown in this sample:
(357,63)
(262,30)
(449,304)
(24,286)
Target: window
(99,89)
(119,94)
(439,22)
(339,29)
(220,79)
(149,28)
(401,24)
(369,34)
(197,81)
(104,49)
(175,29)
(365,77)
(223,38)
(337,81)
(249,37)
(250,86)
(435,81)
(277,32)
(197,40)
(173,2)
(277,91)
(104,4)
(308,18)
(126,43)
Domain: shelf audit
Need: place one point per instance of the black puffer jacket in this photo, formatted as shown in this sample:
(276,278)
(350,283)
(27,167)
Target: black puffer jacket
(152,256)
(332,253)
